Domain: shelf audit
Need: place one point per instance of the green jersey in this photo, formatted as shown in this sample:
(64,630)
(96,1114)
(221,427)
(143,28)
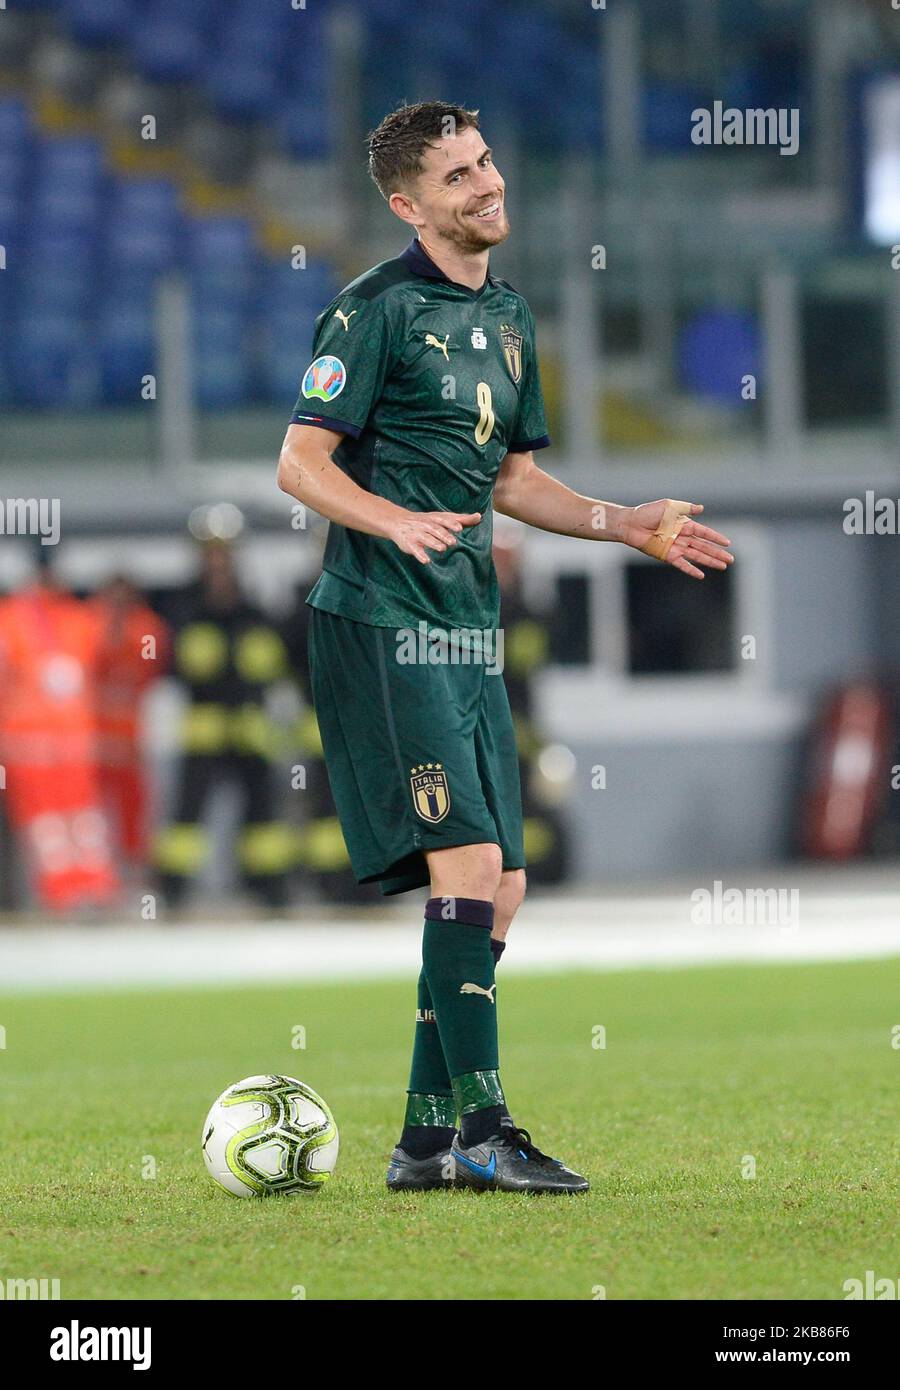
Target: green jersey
(431,384)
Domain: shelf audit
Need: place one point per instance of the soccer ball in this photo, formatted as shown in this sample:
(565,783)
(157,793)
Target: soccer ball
(269,1134)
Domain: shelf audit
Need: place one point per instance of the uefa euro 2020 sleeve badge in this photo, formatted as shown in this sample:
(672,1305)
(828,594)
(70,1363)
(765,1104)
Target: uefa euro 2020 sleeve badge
(431,792)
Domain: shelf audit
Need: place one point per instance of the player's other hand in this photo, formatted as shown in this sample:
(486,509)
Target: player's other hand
(649,528)
(415,533)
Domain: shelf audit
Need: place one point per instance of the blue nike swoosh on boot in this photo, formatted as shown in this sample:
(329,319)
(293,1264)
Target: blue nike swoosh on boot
(484,1170)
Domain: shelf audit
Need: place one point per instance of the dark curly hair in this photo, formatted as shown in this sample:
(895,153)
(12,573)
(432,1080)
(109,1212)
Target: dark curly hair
(396,146)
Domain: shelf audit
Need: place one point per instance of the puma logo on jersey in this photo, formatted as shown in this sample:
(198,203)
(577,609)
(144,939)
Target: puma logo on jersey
(432,341)
(476,989)
(345,318)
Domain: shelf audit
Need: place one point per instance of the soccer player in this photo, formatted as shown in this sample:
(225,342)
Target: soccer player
(419,415)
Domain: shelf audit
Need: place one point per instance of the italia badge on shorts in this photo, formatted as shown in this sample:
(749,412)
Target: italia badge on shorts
(431,794)
(325,378)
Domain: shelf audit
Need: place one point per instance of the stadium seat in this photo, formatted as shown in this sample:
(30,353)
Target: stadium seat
(127,341)
(168,49)
(68,184)
(290,302)
(53,365)
(716,349)
(58,270)
(16,127)
(242,85)
(99,21)
(667,108)
(222,357)
(224,243)
(143,228)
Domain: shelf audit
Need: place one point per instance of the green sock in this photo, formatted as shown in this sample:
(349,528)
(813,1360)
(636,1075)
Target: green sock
(430,1099)
(459,967)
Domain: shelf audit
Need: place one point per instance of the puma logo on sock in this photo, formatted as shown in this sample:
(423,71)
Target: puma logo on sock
(476,989)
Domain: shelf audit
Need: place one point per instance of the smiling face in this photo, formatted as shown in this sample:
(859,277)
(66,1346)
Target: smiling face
(458,197)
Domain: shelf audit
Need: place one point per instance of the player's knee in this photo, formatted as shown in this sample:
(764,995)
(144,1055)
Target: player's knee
(487,871)
(511,894)
(467,871)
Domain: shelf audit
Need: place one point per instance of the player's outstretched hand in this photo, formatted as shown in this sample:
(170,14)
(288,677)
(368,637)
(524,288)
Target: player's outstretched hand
(664,530)
(418,532)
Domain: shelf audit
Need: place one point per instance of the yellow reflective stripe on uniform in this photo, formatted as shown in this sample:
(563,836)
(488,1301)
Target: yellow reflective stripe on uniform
(309,740)
(205,729)
(259,655)
(322,845)
(252,731)
(201,651)
(181,849)
(267,849)
(538,838)
(218,729)
(528,742)
(525,647)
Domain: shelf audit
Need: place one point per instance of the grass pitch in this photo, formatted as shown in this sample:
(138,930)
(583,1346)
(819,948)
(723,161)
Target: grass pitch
(705,1073)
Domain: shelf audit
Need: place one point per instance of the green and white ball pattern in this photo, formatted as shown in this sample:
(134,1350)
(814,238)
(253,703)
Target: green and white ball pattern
(270,1134)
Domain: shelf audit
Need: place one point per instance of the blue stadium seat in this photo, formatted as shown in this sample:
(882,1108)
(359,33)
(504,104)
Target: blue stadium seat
(73,158)
(221,357)
(531,83)
(12,216)
(57,271)
(16,165)
(54,364)
(144,224)
(223,290)
(301,115)
(223,264)
(125,328)
(169,48)
(58,291)
(16,148)
(242,85)
(68,184)
(62,206)
(753,19)
(101,21)
(16,126)
(221,250)
(7,307)
(246,66)
(290,303)
(716,348)
(667,108)
(302,124)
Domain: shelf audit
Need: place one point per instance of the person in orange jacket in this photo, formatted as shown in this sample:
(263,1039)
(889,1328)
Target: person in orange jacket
(133,651)
(48,745)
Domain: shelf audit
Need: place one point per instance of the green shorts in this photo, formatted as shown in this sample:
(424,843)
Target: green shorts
(419,756)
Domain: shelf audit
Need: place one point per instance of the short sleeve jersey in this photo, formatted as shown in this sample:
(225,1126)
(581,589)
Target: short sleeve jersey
(431,383)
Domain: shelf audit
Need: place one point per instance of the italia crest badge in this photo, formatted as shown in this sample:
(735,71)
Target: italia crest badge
(431,793)
(511,340)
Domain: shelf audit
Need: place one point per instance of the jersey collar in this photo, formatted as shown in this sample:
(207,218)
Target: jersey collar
(418,260)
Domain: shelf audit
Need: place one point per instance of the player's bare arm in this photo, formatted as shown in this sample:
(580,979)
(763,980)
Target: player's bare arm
(663,529)
(307,472)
